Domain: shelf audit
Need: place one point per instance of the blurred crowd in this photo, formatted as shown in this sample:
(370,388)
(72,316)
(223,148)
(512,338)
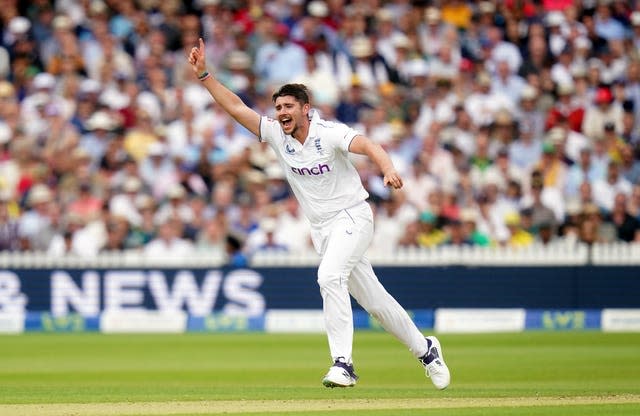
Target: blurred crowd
(512,122)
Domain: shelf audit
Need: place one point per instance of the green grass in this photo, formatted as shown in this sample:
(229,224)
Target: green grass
(96,368)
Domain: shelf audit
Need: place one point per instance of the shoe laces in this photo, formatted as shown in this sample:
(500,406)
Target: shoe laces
(347,367)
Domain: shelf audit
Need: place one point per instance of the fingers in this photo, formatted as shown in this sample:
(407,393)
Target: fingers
(393,180)
(201,43)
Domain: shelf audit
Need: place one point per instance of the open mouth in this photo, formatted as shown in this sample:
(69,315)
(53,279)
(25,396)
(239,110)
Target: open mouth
(286,122)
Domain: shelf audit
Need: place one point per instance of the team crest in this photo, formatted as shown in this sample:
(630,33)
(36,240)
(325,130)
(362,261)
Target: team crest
(290,150)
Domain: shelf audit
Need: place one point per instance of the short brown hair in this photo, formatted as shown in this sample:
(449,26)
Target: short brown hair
(297,91)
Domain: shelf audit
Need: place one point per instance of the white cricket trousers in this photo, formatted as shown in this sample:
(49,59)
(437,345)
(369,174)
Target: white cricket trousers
(344,269)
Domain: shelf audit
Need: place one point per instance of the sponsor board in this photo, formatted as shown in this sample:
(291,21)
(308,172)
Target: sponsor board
(294,320)
(562,320)
(621,320)
(11,322)
(143,321)
(225,323)
(73,322)
(479,320)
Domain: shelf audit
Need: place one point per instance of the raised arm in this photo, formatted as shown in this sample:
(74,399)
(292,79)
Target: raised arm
(229,101)
(362,145)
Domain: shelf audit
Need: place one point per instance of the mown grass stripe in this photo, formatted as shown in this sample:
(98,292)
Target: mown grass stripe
(280,406)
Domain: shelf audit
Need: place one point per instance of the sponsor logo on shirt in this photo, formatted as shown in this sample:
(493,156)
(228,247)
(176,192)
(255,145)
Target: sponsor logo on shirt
(313,171)
(316,143)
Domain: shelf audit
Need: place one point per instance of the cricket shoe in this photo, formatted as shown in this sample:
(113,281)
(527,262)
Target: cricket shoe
(434,365)
(340,374)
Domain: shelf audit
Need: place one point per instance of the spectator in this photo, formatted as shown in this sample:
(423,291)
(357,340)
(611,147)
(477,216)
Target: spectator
(86,205)
(265,238)
(168,244)
(627,227)
(235,255)
(144,231)
(9,226)
(87,94)
(429,235)
(37,225)
(546,235)
(518,236)
(540,213)
(592,227)
(603,110)
(455,232)
(581,171)
(352,103)
(468,217)
(211,238)
(605,189)
(279,60)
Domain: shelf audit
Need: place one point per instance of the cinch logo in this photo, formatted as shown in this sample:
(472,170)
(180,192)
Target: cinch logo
(316,170)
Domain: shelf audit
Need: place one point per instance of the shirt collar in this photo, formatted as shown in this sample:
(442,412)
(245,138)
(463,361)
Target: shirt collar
(314,117)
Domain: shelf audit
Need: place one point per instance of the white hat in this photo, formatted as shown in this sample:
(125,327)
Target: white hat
(635,18)
(361,47)
(400,40)
(97,7)
(384,15)
(19,25)
(177,191)
(144,201)
(62,22)
(79,153)
(131,184)
(582,42)
(468,215)
(5,133)
(44,80)
(255,176)
(486,7)
(155,149)
(417,68)
(318,8)
(555,18)
(578,70)
(566,88)
(100,120)
(238,59)
(39,193)
(529,92)
(432,14)
(268,224)
(556,135)
(7,89)
(114,99)
(274,171)
(89,86)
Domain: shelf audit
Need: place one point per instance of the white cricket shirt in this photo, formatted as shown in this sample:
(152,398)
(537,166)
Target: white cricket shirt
(319,171)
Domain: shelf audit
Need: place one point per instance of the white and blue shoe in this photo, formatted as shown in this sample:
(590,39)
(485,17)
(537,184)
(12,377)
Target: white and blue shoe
(434,365)
(340,374)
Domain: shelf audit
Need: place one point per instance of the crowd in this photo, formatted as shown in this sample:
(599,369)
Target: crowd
(511,122)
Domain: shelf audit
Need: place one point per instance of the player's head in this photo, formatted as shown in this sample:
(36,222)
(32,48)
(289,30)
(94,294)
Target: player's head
(297,91)
(292,107)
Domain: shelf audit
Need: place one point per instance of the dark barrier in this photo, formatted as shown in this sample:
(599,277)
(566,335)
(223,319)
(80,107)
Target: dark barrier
(251,292)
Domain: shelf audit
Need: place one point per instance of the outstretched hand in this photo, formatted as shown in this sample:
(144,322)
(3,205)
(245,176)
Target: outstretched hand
(392,179)
(197,58)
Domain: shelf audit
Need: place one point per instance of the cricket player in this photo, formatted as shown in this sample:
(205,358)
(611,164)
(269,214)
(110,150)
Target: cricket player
(314,156)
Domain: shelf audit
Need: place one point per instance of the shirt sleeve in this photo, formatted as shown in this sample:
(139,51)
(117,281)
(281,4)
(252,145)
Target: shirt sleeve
(269,129)
(343,136)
